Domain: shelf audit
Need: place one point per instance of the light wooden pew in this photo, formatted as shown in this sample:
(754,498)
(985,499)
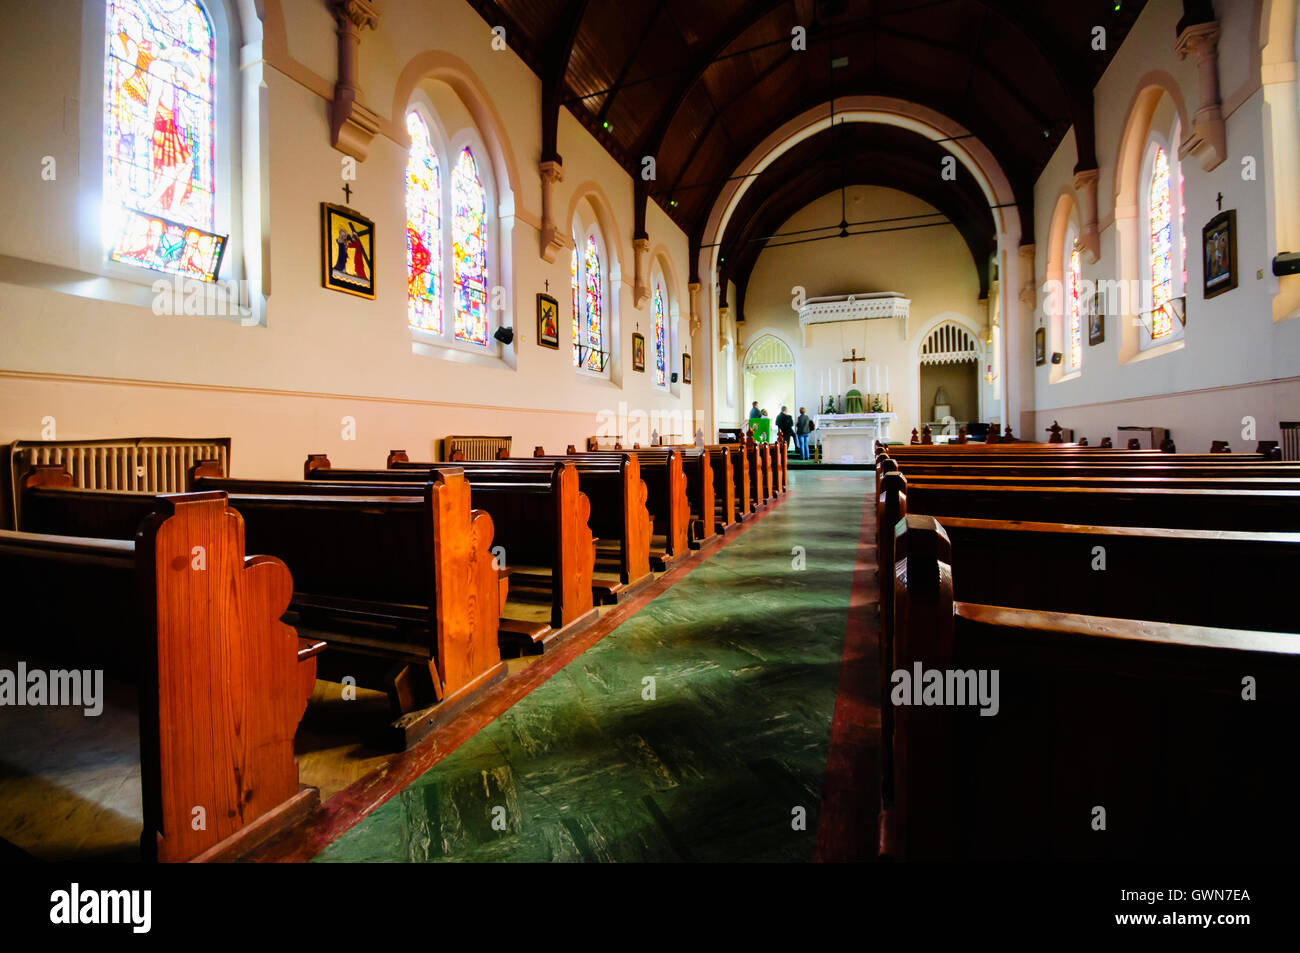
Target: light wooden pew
(403,588)
(1177,733)
(222,683)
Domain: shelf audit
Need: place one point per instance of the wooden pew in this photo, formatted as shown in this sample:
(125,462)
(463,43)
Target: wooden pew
(722,460)
(759,489)
(697,471)
(669,505)
(744,476)
(222,683)
(404,587)
(619,517)
(1150,722)
(539,518)
(1258,510)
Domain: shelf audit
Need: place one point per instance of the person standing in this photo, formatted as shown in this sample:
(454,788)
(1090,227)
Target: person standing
(754,412)
(785,426)
(802,428)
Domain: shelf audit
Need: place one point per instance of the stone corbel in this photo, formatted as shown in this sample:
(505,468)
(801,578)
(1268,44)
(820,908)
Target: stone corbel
(1085,185)
(1028,289)
(640,278)
(1208,137)
(352,125)
(693,289)
(553,241)
(724,327)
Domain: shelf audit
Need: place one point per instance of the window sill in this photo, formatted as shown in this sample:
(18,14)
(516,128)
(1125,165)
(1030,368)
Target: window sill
(1158,350)
(594,378)
(424,344)
(1072,375)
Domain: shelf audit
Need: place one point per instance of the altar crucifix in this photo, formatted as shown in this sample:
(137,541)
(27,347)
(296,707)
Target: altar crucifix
(852,361)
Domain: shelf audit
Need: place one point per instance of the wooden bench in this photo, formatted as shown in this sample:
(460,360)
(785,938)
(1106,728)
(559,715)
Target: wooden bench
(670,510)
(404,588)
(539,519)
(722,464)
(619,518)
(696,465)
(222,683)
(1145,721)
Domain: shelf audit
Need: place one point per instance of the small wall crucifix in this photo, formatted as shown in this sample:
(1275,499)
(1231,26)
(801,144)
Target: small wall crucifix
(854,360)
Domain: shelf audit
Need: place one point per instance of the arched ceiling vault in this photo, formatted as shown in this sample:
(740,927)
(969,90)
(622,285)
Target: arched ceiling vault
(697,84)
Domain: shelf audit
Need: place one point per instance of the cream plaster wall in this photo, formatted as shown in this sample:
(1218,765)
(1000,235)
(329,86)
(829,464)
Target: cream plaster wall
(92,353)
(1236,361)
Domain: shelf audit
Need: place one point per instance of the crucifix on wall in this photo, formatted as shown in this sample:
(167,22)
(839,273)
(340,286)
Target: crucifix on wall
(852,362)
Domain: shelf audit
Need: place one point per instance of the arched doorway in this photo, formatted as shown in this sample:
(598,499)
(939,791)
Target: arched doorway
(769,375)
(949,376)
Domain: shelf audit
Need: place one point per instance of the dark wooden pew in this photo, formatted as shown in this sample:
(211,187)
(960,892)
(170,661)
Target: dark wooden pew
(538,518)
(222,683)
(1259,510)
(619,517)
(1177,733)
(405,588)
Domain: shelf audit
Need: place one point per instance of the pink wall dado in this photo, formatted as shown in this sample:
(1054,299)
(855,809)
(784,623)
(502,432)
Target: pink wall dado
(1194,418)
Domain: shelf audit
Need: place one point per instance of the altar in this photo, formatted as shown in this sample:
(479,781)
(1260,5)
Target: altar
(851,438)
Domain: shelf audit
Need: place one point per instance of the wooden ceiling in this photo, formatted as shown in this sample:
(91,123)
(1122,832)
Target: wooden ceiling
(697,84)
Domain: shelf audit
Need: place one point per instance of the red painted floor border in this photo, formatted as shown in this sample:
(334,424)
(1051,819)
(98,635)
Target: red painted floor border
(349,806)
(847,824)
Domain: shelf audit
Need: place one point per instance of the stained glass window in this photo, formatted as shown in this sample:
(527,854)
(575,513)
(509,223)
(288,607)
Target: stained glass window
(159,149)
(423,229)
(661,335)
(1160,216)
(469,250)
(573,279)
(1074,311)
(594,329)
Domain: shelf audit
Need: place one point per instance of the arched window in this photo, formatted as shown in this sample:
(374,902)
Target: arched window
(659,307)
(589,276)
(1163,248)
(159,137)
(1160,220)
(594,311)
(1073,304)
(451,238)
(423,229)
(469,250)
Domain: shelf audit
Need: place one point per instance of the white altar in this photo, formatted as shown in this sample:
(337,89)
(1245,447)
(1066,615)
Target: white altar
(850,438)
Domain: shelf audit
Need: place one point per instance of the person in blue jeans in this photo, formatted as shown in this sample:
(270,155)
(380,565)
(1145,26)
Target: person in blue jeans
(802,428)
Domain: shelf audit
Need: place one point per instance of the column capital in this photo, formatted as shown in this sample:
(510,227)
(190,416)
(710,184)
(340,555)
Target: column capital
(1085,183)
(354,14)
(1199,40)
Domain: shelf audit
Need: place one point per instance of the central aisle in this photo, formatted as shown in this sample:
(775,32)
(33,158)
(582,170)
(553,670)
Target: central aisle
(744,654)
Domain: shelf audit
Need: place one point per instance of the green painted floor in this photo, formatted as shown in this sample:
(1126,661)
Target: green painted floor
(744,653)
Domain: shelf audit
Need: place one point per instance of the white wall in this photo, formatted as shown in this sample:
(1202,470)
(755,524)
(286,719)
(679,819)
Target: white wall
(92,353)
(1236,360)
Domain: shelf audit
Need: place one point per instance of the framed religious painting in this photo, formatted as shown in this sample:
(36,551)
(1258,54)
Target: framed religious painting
(1040,347)
(686,368)
(347,250)
(1096,325)
(548,321)
(1219,248)
(638,352)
